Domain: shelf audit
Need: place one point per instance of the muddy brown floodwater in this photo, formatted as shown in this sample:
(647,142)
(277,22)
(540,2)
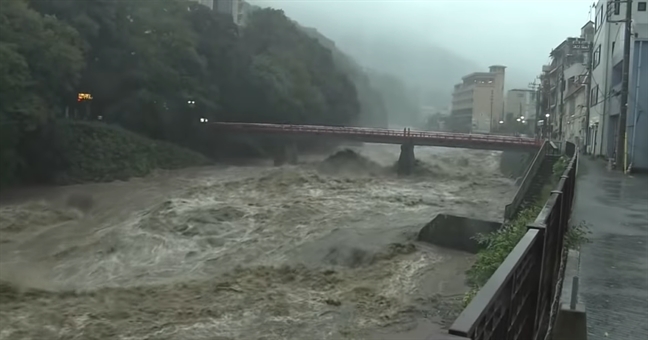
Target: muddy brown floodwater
(322,250)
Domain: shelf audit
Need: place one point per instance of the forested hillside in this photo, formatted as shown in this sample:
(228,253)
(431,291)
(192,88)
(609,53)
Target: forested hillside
(373,108)
(157,67)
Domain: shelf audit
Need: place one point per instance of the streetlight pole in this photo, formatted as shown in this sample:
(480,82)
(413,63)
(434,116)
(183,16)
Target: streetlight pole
(562,95)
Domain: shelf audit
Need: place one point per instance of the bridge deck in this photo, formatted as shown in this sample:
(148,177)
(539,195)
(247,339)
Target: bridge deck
(388,136)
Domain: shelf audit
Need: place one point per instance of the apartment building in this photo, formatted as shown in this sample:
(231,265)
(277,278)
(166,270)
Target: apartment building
(235,8)
(564,77)
(478,101)
(607,68)
(520,103)
(208,3)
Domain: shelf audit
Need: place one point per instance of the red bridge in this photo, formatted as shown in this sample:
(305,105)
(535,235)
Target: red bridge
(389,136)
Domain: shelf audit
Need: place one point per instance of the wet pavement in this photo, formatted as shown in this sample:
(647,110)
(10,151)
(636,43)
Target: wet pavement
(614,266)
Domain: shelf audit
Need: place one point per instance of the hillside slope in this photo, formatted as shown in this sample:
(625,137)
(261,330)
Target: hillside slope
(431,69)
(373,109)
(77,152)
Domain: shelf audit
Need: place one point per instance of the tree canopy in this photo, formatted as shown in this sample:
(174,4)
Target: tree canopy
(156,67)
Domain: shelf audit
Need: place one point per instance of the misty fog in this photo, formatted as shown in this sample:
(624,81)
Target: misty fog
(429,45)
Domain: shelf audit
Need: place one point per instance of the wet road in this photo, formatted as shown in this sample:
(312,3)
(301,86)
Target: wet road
(614,267)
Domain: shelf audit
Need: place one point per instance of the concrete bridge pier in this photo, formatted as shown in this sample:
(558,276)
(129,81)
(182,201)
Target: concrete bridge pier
(406,161)
(286,153)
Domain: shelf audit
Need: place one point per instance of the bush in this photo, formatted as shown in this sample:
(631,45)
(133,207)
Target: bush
(500,243)
(98,152)
(559,167)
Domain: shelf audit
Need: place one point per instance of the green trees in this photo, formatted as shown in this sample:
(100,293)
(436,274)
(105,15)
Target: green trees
(40,61)
(156,67)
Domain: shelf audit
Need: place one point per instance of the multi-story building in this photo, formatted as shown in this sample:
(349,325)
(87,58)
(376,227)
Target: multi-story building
(235,8)
(566,72)
(478,101)
(520,103)
(575,108)
(607,69)
(208,3)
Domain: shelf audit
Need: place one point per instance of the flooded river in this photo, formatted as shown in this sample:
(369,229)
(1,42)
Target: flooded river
(321,250)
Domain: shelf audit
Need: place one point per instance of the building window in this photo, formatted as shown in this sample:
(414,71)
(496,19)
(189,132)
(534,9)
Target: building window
(601,17)
(641,6)
(597,57)
(617,7)
(571,107)
(594,96)
(613,45)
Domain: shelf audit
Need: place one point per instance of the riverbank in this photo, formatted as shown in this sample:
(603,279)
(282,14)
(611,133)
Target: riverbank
(68,152)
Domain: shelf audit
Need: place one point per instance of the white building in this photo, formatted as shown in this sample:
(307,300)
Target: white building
(607,57)
(208,3)
(235,8)
(520,103)
(478,101)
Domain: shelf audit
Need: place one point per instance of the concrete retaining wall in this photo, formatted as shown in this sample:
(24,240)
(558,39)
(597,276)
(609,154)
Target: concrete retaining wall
(514,164)
(456,232)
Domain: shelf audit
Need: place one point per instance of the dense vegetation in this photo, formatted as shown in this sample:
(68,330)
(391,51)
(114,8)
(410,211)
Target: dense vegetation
(499,244)
(156,68)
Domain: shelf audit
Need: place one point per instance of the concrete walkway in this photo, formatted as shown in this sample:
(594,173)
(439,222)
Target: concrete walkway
(614,267)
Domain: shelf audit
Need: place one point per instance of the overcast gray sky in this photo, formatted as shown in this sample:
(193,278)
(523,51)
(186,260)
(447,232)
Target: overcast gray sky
(516,33)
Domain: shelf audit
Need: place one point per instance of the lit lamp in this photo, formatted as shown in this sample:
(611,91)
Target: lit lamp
(83,96)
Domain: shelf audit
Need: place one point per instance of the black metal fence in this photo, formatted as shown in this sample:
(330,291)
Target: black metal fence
(520,300)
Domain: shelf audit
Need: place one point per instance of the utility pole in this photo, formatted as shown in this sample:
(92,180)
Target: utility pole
(491,111)
(590,58)
(621,158)
(562,95)
(536,95)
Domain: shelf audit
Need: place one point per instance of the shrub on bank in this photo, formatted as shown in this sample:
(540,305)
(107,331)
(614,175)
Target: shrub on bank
(500,243)
(94,152)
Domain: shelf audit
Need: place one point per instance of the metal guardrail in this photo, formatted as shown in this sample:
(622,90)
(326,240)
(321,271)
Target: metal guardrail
(386,135)
(512,207)
(519,301)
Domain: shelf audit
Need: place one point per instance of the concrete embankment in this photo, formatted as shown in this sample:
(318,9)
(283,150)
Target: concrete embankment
(514,164)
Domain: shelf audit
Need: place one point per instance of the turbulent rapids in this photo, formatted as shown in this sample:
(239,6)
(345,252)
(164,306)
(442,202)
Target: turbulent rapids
(325,248)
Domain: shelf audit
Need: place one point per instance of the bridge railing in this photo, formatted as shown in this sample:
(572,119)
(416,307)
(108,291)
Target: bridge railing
(370,132)
(520,300)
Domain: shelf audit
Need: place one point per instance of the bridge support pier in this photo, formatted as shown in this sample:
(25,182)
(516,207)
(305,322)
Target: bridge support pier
(406,161)
(286,153)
